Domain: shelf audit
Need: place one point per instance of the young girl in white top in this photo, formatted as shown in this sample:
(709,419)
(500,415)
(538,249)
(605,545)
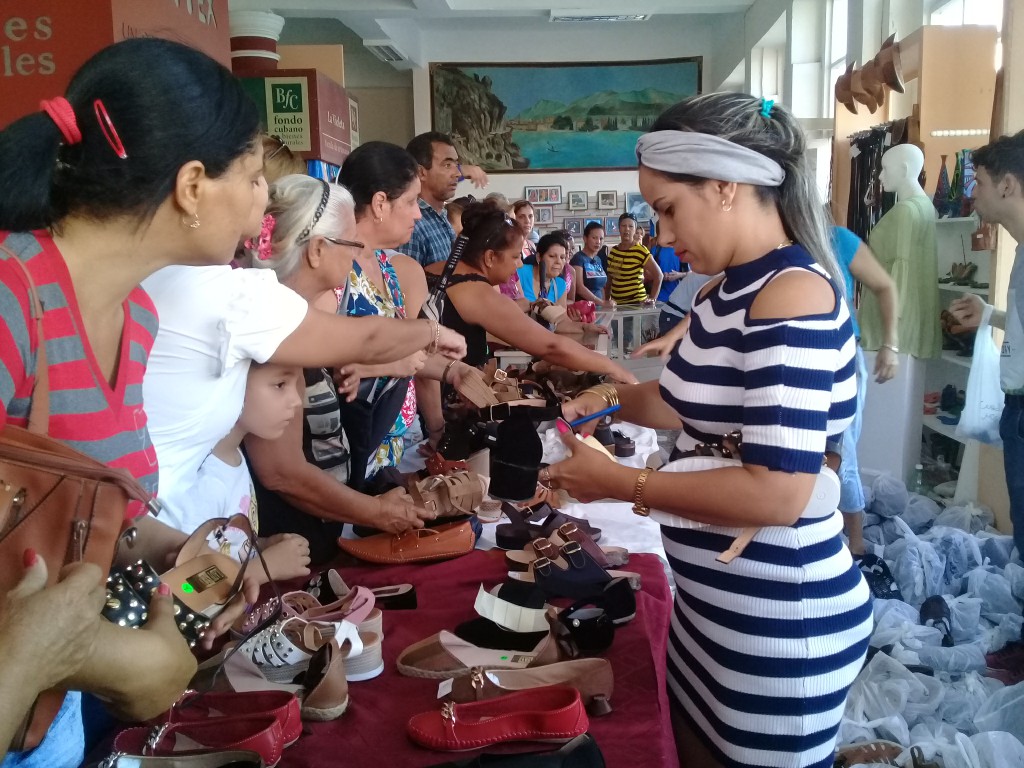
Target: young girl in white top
(223,487)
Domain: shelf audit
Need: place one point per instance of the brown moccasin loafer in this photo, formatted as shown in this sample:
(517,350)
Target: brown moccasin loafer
(415,546)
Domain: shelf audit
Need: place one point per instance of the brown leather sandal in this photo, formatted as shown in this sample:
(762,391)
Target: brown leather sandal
(448,495)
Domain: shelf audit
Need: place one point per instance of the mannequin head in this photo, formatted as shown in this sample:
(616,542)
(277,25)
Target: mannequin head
(901,167)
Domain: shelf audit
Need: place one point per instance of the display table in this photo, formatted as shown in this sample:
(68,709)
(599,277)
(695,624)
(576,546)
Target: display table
(371,733)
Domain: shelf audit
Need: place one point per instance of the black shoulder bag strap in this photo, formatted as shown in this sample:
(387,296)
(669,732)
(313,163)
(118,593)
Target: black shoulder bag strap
(433,307)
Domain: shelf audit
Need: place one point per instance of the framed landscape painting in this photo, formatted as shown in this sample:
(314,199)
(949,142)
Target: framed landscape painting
(555,116)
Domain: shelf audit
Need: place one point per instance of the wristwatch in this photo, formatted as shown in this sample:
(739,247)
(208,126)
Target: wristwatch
(639,507)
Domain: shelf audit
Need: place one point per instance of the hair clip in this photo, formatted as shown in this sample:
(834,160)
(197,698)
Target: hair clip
(281,144)
(109,132)
(766,107)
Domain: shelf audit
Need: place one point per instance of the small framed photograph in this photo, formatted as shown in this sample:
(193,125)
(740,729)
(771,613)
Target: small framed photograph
(573,226)
(636,205)
(607,200)
(611,226)
(577,201)
(588,222)
(543,195)
(544,214)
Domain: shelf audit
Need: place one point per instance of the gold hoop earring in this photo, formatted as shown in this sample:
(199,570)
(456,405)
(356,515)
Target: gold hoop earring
(194,224)
(726,206)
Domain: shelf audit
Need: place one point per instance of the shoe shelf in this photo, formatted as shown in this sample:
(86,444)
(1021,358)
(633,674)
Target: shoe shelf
(952,357)
(963,289)
(931,421)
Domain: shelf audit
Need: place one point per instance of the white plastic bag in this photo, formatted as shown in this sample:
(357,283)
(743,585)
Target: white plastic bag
(998,749)
(1002,712)
(964,696)
(970,517)
(994,590)
(890,494)
(920,513)
(960,551)
(984,404)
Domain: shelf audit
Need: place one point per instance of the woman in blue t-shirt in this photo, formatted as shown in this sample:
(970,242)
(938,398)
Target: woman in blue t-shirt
(589,267)
(857,262)
(544,280)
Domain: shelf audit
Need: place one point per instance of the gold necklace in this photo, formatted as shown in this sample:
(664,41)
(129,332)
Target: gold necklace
(783,244)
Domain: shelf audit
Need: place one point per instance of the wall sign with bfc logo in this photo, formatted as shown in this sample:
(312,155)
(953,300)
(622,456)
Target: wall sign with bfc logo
(288,111)
(311,112)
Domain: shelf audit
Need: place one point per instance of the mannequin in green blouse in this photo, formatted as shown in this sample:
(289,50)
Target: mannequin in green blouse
(904,242)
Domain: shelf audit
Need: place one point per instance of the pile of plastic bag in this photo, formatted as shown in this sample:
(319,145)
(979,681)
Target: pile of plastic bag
(914,690)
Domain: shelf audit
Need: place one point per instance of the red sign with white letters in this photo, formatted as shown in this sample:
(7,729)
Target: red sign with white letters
(44,42)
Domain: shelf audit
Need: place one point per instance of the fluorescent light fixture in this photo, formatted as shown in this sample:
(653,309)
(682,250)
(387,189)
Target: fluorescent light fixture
(385,50)
(578,17)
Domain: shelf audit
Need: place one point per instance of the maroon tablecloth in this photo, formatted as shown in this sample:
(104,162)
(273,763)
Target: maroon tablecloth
(372,732)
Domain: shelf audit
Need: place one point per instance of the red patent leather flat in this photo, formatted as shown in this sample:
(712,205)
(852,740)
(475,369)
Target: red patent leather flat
(195,707)
(554,713)
(255,733)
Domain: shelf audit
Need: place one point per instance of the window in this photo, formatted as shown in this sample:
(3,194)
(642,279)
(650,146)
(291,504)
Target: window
(837,22)
(954,13)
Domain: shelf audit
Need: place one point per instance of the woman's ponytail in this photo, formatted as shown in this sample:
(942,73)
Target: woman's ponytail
(29,150)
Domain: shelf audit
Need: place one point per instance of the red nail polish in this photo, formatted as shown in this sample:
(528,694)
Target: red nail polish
(30,557)
(164,590)
(584,435)
(562,427)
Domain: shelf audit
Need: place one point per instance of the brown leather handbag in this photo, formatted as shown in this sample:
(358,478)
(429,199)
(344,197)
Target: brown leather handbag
(65,505)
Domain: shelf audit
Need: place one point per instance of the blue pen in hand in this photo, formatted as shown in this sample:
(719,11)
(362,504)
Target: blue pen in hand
(592,416)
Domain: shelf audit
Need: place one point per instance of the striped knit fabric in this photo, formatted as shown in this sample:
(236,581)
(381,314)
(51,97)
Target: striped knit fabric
(108,424)
(626,274)
(763,650)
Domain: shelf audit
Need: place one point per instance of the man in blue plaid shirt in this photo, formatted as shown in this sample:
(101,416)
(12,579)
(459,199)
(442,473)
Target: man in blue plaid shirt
(440,174)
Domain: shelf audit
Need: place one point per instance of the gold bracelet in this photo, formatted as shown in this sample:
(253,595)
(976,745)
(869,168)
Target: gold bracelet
(639,507)
(432,348)
(606,392)
(447,369)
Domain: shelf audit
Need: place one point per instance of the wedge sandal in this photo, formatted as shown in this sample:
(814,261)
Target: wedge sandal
(445,655)
(325,686)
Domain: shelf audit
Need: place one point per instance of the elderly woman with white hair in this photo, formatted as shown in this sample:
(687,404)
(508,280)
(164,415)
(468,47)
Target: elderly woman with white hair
(215,321)
(303,479)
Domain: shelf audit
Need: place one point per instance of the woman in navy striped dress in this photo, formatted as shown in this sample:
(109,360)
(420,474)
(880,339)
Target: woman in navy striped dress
(764,648)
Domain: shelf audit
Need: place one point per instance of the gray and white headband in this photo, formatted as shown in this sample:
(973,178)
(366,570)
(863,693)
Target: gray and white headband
(707,156)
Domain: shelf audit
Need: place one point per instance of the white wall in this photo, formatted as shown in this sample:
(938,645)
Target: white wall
(662,38)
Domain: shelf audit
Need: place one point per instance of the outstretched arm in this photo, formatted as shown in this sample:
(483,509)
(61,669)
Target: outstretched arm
(334,340)
(502,318)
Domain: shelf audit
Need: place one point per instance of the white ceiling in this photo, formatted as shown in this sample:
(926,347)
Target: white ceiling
(404,21)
